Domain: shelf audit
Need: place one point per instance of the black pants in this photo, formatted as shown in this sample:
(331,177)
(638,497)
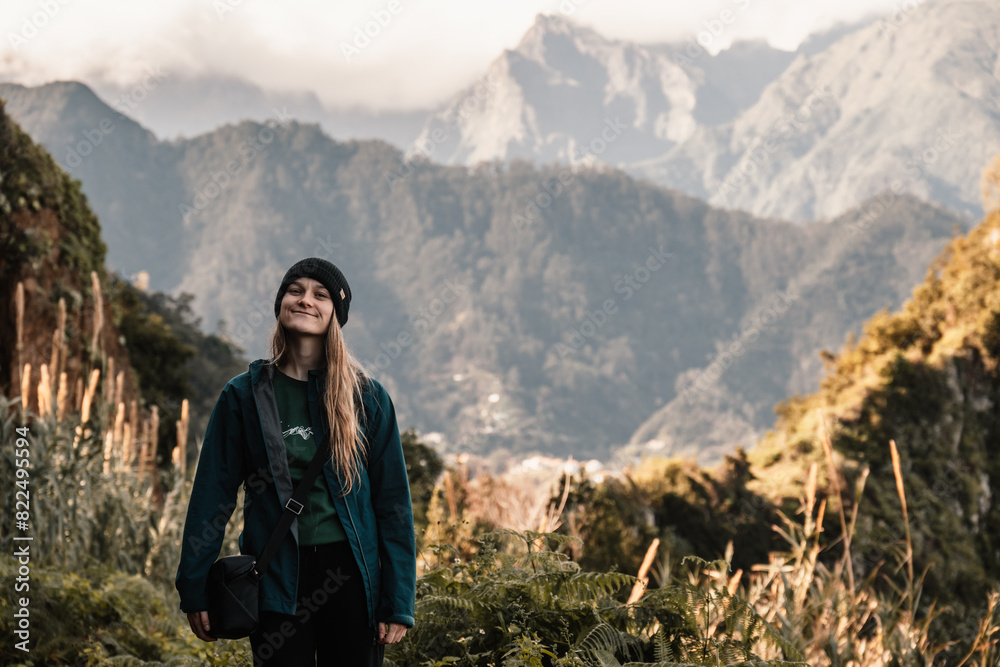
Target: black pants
(330,625)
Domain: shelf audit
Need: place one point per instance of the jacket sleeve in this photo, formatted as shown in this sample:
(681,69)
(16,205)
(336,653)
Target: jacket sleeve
(390,492)
(213,499)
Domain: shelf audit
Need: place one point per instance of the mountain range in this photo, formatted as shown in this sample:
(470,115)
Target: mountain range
(911,97)
(186,106)
(507,307)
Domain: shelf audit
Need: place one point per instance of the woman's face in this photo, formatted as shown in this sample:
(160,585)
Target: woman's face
(306,308)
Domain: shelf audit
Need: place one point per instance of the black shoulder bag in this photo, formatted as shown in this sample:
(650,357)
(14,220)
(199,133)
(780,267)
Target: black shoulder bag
(234,581)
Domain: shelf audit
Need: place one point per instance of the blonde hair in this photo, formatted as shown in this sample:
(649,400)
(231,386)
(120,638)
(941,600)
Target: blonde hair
(342,404)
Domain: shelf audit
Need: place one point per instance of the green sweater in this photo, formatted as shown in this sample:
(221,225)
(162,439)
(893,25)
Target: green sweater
(318,523)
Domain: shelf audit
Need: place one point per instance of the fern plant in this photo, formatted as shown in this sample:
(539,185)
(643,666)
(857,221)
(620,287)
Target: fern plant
(519,601)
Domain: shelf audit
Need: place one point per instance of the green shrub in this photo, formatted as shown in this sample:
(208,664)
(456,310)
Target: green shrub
(517,602)
(99,616)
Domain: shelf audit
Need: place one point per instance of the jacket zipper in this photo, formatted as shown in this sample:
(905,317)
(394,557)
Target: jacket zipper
(364,561)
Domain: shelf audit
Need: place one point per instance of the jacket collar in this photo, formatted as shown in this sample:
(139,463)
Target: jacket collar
(262,370)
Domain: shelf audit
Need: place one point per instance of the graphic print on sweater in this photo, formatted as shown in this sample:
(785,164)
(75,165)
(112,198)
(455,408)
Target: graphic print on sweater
(304,432)
(318,523)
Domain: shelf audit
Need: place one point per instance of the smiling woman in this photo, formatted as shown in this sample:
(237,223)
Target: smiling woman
(342,582)
(306,309)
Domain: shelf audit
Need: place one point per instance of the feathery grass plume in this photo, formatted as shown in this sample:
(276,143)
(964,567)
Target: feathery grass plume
(119,425)
(143,452)
(19,319)
(88,395)
(154,446)
(846,562)
(154,431)
(119,387)
(62,396)
(898,473)
(642,580)
(127,445)
(109,387)
(25,386)
(95,284)
(182,438)
(116,434)
(83,432)
(44,393)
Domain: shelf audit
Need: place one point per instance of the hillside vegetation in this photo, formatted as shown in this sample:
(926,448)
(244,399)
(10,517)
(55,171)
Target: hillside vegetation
(895,456)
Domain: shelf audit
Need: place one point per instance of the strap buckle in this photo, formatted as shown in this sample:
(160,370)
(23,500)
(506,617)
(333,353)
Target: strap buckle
(294,510)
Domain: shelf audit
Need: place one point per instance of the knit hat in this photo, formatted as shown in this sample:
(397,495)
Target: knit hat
(324,272)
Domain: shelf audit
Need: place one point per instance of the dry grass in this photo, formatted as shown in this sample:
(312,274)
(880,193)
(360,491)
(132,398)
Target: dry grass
(92,498)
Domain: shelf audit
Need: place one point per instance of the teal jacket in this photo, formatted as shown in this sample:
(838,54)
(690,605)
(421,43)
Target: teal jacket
(243,445)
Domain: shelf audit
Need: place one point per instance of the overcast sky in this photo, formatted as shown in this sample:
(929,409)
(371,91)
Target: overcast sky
(426,50)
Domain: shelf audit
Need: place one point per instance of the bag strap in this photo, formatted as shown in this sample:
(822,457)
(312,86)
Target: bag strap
(292,509)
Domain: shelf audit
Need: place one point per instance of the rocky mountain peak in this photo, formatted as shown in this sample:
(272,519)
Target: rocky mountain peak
(556,95)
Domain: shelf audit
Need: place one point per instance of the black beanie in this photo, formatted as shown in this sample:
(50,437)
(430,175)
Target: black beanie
(324,272)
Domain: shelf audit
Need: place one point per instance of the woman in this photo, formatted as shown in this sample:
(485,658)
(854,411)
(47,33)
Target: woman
(342,584)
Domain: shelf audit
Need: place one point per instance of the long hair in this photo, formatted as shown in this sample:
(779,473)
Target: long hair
(342,404)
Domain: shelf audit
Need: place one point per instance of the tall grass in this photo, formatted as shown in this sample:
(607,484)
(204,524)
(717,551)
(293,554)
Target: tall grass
(97,494)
